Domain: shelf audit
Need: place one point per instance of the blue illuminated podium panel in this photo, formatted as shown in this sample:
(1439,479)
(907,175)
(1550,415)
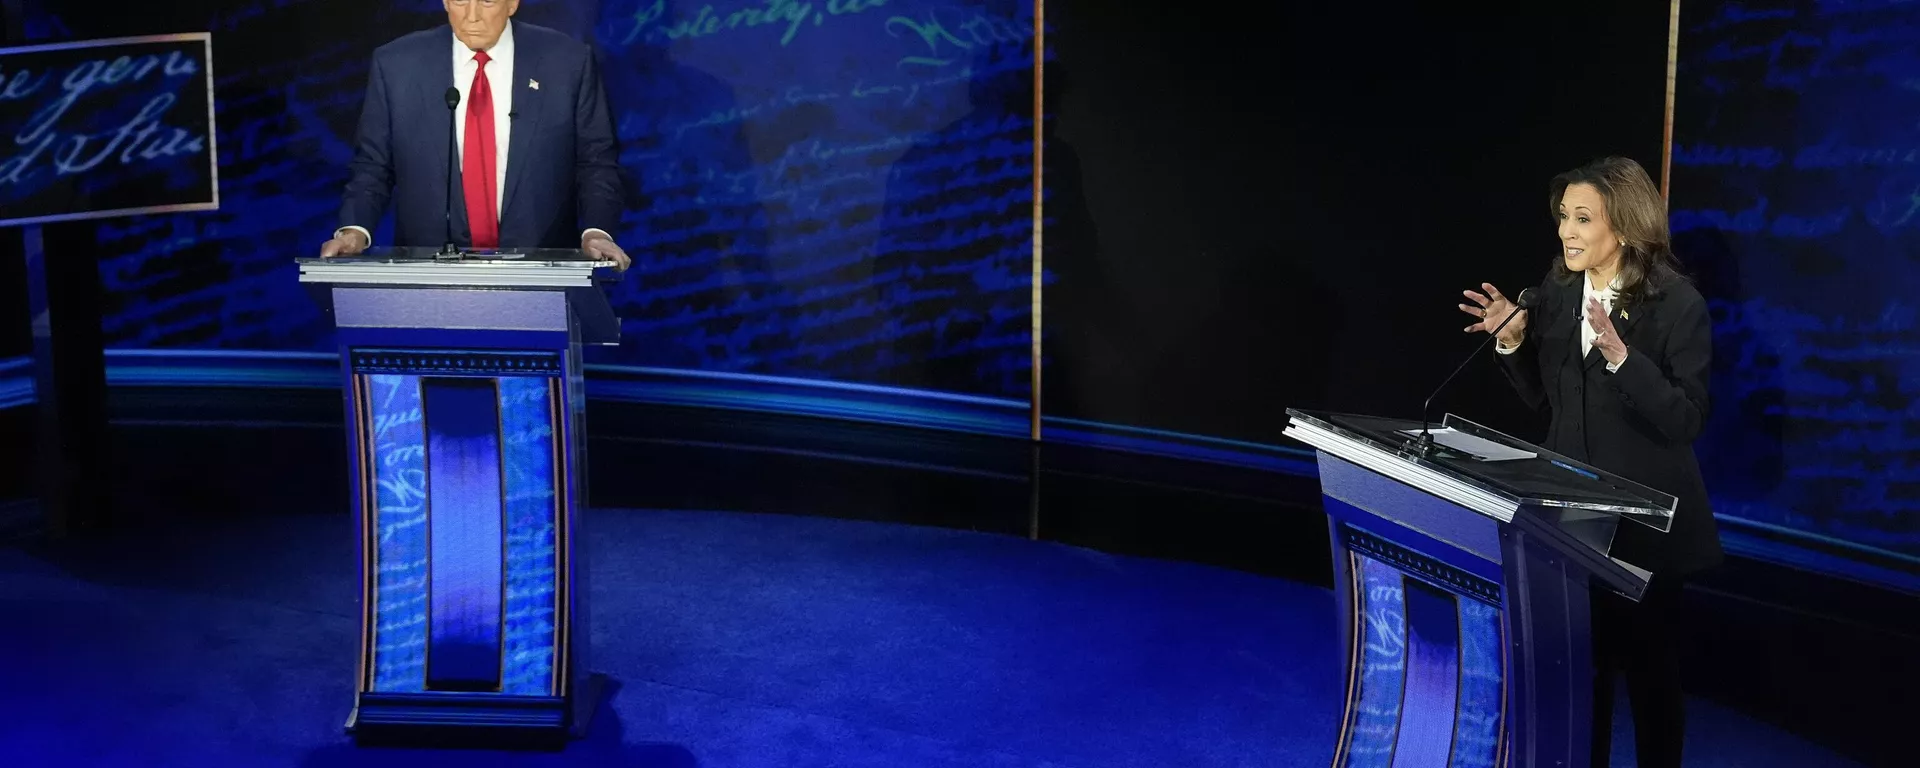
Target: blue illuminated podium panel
(1463,572)
(464,405)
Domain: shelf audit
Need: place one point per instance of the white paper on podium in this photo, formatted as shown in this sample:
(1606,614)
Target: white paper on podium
(1477,447)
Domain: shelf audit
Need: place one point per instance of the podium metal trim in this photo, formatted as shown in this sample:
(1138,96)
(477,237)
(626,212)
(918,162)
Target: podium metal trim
(1474,498)
(493,275)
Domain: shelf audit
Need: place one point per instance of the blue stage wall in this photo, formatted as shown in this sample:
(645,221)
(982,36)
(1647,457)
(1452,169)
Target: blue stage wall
(1796,194)
(839,190)
(831,208)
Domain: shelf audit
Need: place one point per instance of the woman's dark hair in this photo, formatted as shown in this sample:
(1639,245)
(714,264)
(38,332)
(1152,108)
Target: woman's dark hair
(1637,214)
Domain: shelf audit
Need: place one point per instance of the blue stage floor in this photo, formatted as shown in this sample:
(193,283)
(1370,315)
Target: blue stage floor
(736,639)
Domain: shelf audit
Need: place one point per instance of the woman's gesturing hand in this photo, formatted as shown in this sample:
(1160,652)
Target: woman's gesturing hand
(1492,308)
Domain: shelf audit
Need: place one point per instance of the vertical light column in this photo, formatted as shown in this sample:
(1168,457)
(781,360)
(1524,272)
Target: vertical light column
(1431,693)
(1039,188)
(466,546)
(1673,65)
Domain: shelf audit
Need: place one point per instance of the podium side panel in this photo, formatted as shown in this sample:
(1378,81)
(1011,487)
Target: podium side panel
(460,458)
(1377,682)
(412,522)
(396,540)
(360,471)
(531,459)
(1422,624)
(1347,590)
(573,481)
(1551,653)
(1480,728)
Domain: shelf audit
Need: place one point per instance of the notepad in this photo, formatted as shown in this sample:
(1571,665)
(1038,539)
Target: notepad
(1472,445)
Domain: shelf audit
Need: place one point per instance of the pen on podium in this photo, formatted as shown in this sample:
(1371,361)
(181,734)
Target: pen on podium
(1572,468)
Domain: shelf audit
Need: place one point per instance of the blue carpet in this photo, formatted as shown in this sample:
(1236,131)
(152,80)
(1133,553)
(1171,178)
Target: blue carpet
(737,640)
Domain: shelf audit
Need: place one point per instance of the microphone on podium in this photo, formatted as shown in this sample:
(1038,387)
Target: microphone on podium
(453,146)
(1528,299)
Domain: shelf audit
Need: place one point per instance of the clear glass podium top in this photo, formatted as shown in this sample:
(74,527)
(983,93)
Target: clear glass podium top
(1512,468)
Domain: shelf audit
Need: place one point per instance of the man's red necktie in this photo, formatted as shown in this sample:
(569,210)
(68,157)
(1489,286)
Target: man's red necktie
(478,163)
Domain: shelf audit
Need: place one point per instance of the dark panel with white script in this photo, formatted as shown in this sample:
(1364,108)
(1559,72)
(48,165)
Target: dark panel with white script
(102,128)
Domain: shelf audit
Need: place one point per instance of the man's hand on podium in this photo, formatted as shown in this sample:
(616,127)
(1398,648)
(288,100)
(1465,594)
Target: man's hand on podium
(346,242)
(600,245)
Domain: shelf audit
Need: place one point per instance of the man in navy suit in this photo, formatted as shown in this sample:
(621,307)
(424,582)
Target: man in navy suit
(535,142)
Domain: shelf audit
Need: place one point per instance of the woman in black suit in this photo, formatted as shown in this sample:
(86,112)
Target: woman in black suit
(1617,352)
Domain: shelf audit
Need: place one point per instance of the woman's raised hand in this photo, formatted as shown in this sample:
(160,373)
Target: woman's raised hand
(1491,308)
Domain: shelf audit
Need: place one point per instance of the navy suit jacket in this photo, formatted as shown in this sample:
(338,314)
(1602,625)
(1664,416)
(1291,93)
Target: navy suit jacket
(562,173)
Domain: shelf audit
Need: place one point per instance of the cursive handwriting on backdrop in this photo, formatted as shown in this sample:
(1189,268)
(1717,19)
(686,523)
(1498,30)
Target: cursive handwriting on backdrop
(106,126)
(1796,199)
(838,189)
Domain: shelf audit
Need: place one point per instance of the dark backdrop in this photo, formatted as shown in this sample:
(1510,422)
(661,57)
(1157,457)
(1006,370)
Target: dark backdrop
(15,339)
(1282,209)
(1247,211)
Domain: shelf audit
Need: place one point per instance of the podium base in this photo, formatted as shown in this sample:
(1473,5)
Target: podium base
(477,721)
(596,691)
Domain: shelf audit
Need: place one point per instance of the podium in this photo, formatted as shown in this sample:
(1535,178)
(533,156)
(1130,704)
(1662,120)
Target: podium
(464,405)
(1463,568)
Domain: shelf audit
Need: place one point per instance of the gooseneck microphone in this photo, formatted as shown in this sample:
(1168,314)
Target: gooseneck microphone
(1529,298)
(453,148)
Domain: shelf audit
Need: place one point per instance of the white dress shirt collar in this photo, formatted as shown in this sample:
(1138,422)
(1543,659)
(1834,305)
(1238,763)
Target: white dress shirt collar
(1606,297)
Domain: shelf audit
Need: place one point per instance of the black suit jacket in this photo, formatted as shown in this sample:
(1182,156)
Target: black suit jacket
(1639,422)
(562,172)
